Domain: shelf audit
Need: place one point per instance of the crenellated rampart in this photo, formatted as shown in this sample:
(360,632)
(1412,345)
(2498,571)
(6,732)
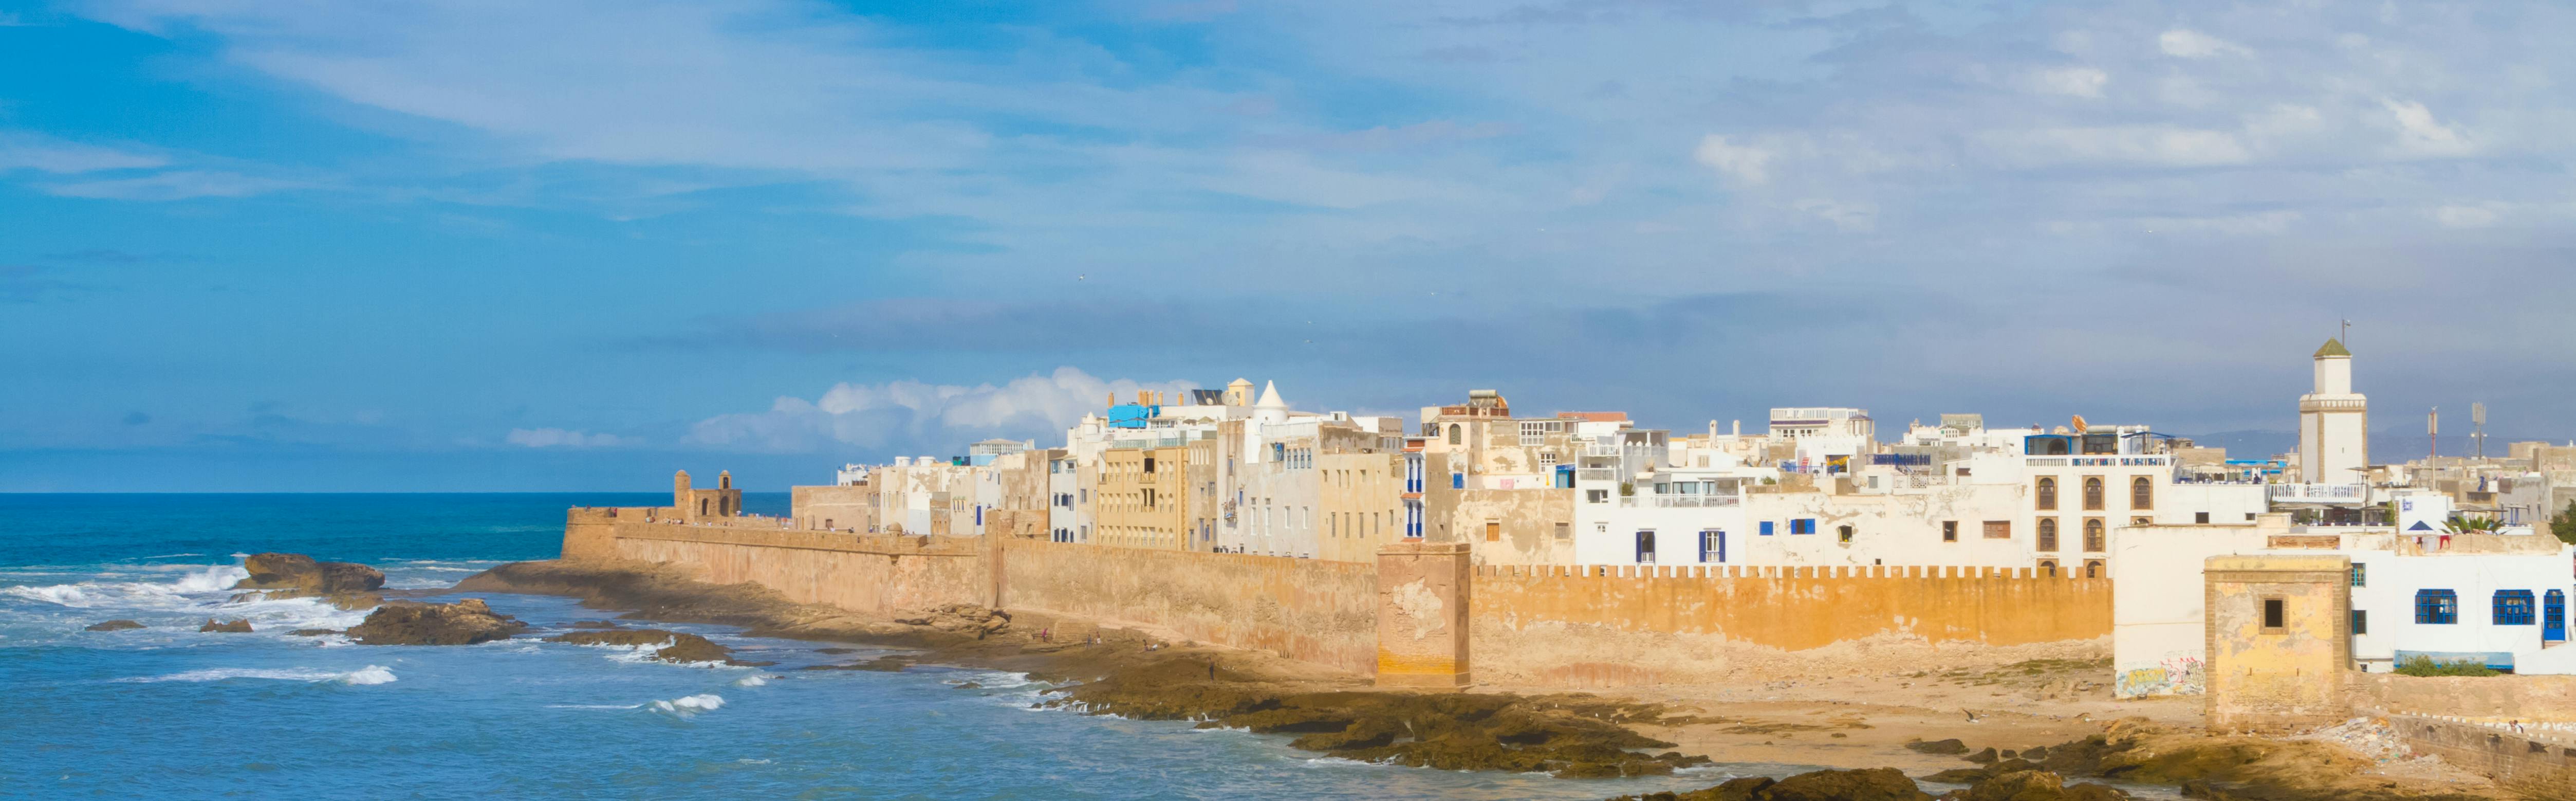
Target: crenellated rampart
(1527,625)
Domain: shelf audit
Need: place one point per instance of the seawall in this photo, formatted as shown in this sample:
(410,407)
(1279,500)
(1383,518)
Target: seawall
(1303,609)
(1569,626)
(2532,764)
(1543,626)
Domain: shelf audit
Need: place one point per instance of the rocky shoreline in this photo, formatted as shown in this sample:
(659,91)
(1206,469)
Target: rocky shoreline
(1133,674)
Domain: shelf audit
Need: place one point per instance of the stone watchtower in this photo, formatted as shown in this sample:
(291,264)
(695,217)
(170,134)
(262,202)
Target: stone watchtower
(700,504)
(2279,640)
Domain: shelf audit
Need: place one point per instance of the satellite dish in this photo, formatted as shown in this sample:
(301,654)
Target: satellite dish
(2079,424)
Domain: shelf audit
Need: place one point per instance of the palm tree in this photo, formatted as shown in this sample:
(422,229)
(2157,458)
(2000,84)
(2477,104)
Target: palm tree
(2474,524)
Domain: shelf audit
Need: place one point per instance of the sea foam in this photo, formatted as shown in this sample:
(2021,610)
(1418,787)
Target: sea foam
(371,674)
(686,706)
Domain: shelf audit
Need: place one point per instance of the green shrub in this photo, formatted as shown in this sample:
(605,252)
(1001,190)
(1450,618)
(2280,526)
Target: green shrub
(2425,666)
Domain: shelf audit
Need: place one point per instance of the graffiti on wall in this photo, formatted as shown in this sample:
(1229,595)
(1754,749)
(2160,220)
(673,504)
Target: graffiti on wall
(2176,674)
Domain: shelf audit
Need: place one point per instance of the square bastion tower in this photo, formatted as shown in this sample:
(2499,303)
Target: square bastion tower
(2334,422)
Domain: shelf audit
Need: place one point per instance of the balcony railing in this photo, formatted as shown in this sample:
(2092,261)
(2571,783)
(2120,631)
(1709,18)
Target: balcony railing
(1680,501)
(2319,492)
(1597,474)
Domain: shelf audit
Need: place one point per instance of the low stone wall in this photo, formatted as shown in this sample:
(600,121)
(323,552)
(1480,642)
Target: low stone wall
(1570,626)
(2504,698)
(2533,765)
(872,573)
(1304,609)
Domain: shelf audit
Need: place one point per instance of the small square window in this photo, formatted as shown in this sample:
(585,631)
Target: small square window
(2276,613)
(2360,621)
(2200,517)
(1949,531)
(1766,528)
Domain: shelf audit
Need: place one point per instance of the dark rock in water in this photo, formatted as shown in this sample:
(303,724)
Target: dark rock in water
(311,632)
(1869,784)
(279,576)
(1985,756)
(2020,785)
(295,571)
(1873,784)
(464,622)
(968,685)
(593,624)
(229,627)
(1937,747)
(114,625)
(2035,753)
(674,646)
(882,664)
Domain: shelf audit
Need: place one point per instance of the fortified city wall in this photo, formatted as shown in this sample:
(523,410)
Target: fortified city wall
(1554,625)
(1526,625)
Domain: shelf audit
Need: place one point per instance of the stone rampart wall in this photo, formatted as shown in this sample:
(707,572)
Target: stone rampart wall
(2534,765)
(2502,698)
(871,573)
(1304,609)
(1552,626)
(1570,626)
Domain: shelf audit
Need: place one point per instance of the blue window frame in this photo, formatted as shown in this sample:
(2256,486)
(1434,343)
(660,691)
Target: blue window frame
(1802,525)
(1457,481)
(1712,546)
(1766,528)
(2360,621)
(1645,547)
(2437,607)
(2360,575)
(2515,608)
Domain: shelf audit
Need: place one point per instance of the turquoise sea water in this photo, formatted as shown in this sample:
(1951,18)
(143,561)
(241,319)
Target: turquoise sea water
(171,713)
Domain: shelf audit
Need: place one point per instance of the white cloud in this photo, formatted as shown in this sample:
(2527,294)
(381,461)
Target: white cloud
(2456,216)
(173,185)
(2268,222)
(561,438)
(2187,43)
(911,416)
(1851,216)
(47,154)
(2123,144)
(2070,81)
(1747,164)
(2419,132)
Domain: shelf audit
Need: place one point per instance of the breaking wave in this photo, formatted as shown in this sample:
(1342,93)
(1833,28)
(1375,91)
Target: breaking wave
(86,594)
(371,674)
(686,706)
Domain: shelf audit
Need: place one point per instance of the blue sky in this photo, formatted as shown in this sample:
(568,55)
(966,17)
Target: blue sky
(282,245)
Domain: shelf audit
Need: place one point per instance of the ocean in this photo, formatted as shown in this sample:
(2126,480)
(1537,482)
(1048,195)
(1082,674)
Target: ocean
(168,712)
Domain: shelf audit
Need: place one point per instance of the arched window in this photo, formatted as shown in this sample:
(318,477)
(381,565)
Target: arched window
(2093,539)
(2092,492)
(2092,568)
(702,507)
(2142,493)
(2048,534)
(1457,434)
(2047,492)
(2048,567)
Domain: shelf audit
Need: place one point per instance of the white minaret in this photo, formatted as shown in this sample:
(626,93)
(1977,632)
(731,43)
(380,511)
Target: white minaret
(2334,422)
